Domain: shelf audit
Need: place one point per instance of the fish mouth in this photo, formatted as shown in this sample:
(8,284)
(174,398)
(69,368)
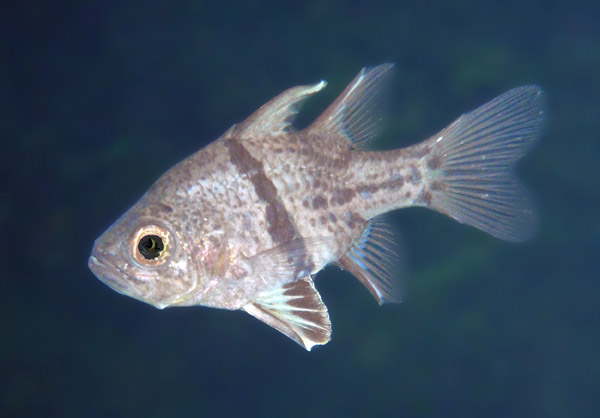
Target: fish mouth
(109,275)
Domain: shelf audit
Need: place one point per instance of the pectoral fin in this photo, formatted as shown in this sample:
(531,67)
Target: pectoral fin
(290,261)
(296,310)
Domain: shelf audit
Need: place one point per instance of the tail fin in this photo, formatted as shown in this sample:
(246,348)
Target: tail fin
(469,170)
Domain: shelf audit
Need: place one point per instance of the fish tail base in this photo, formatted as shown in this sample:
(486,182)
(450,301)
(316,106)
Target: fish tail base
(468,173)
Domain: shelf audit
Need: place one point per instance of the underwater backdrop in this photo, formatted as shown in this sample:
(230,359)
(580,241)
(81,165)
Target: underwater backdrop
(99,98)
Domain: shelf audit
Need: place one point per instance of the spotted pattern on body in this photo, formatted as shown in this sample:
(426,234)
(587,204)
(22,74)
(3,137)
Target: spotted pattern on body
(247,221)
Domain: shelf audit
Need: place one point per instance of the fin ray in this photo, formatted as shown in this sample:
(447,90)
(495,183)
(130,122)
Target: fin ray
(290,261)
(374,260)
(296,310)
(276,116)
(470,168)
(355,115)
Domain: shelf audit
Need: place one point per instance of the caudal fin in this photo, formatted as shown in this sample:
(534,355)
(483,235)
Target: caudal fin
(469,170)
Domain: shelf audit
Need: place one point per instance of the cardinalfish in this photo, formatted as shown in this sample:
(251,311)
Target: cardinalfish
(247,222)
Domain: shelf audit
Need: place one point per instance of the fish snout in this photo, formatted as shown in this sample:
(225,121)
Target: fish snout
(108,275)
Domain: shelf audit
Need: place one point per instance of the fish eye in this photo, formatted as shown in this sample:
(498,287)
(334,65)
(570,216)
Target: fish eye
(151,246)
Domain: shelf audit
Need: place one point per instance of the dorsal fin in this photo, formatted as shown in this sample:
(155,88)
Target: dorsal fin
(356,115)
(276,116)
(374,260)
(296,310)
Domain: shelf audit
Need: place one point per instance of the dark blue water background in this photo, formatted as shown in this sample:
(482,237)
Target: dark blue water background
(98,98)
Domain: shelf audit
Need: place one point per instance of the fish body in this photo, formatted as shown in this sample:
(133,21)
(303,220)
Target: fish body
(246,222)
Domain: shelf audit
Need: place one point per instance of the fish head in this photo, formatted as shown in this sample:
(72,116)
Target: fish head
(146,256)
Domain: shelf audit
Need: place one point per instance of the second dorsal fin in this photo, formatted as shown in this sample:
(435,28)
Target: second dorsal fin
(356,115)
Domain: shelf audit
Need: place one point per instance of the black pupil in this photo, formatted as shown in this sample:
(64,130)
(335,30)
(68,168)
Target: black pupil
(150,246)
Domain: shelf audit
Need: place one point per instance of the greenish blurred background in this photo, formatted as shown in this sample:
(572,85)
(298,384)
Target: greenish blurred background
(98,98)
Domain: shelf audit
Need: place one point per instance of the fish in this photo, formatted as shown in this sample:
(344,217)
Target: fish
(246,222)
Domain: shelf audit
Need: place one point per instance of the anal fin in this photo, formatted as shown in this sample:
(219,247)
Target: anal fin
(296,310)
(374,260)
